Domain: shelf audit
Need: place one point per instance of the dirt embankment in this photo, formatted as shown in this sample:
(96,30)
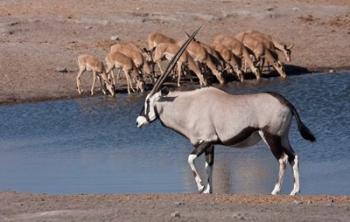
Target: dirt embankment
(172,207)
(39,38)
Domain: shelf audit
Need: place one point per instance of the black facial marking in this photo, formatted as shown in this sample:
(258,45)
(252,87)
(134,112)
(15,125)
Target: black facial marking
(167,99)
(145,113)
(147,108)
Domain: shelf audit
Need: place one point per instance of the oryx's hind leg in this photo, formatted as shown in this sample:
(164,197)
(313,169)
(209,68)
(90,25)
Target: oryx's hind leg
(196,152)
(209,162)
(275,144)
(294,162)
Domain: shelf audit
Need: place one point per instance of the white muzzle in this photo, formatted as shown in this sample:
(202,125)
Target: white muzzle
(141,121)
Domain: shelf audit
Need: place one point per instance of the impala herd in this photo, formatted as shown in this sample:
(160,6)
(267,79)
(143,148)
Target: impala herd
(229,54)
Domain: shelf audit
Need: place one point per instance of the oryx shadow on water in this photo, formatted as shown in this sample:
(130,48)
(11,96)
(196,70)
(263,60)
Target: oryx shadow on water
(92,145)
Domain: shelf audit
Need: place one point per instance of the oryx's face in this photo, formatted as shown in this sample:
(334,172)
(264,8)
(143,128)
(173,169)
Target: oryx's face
(149,113)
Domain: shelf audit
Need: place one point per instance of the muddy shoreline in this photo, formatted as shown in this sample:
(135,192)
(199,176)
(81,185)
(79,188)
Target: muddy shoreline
(171,207)
(75,95)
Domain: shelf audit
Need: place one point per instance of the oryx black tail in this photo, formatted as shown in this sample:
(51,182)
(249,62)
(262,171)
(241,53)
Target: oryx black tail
(304,131)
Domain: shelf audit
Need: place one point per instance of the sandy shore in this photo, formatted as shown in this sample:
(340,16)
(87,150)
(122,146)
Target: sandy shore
(39,38)
(172,207)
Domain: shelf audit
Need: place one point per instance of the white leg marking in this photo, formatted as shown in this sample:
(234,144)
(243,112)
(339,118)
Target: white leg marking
(209,187)
(295,166)
(282,166)
(262,136)
(283,163)
(198,180)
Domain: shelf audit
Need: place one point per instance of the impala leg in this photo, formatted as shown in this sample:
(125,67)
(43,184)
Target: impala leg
(197,151)
(209,162)
(128,82)
(278,66)
(194,67)
(245,66)
(103,87)
(214,70)
(132,80)
(179,69)
(160,67)
(262,66)
(275,144)
(81,71)
(235,68)
(268,67)
(93,82)
(118,76)
(110,73)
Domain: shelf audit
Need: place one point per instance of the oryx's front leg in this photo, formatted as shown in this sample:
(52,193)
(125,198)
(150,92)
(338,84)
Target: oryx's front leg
(197,151)
(209,162)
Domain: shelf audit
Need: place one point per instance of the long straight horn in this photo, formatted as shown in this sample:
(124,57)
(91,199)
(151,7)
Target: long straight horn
(172,63)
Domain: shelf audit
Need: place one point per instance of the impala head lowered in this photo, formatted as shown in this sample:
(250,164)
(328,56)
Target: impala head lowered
(149,113)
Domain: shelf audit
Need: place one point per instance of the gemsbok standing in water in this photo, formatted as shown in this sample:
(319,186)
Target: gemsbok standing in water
(209,116)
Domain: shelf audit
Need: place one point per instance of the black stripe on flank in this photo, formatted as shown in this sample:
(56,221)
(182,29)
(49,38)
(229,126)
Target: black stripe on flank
(241,136)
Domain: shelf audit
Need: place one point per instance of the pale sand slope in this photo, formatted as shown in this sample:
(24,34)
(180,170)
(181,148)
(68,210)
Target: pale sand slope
(37,37)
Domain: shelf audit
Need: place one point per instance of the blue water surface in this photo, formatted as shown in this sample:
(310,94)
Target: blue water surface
(92,145)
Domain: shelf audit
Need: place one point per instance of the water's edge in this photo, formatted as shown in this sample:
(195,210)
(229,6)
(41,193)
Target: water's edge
(75,95)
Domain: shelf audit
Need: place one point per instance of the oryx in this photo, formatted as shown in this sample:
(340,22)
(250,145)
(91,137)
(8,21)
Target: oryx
(209,116)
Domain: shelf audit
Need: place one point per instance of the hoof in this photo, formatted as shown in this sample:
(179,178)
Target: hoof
(207,190)
(294,193)
(201,189)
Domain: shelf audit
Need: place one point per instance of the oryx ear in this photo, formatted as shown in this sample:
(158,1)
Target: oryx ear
(164,91)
